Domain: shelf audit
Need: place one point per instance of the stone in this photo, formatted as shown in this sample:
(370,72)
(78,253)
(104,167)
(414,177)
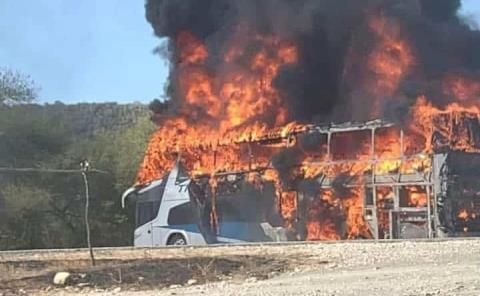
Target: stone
(117,290)
(61,278)
(174,286)
(192,282)
(222,284)
(332,265)
(251,280)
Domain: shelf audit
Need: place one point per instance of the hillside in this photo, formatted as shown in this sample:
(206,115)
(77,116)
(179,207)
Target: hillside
(86,119)
(45,210)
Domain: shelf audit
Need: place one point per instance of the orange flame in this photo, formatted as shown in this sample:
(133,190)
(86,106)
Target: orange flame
(461,88)
(463,215)
(391,59)
(417,198)
(235,121)
(218,111)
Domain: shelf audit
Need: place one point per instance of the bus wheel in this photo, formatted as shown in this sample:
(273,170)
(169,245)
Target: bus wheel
(177,240)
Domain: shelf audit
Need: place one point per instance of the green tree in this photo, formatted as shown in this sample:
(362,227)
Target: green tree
(16,87)
(30,139)
(46,210)
(119,153)
(26,221)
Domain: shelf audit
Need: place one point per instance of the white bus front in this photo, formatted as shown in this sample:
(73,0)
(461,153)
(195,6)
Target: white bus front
(172,211)
(164,214)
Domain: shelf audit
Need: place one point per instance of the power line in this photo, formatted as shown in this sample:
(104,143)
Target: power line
(84,169)
(51,171)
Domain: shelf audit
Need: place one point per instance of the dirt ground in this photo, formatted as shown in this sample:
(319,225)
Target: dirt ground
(344,268)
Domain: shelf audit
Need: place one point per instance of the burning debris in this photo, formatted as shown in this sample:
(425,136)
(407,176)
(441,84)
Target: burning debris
(252,81)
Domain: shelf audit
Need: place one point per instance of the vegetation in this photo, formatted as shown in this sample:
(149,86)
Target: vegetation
(45,210)
(16,87)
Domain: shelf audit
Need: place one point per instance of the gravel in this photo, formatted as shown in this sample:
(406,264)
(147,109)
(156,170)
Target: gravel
(346,268)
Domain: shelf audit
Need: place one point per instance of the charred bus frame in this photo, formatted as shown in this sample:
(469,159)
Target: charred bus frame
(431,179)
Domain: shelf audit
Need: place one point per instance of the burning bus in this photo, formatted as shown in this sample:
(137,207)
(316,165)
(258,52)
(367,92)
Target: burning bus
(254,87)
(342,181)
(174,211)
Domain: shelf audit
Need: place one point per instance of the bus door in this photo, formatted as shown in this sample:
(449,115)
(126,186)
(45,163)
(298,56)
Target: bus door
(144,223)
(148,205)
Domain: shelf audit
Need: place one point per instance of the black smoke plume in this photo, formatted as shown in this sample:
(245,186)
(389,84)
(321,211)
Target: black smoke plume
(324,85)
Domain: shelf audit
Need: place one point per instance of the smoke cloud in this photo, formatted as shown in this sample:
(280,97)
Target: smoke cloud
(338,40)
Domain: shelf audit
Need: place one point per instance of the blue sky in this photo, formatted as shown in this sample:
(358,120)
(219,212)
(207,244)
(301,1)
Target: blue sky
(83,50)
(90,50)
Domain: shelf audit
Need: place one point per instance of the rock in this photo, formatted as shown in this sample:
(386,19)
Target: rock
(174,286)
(251,280)
(117,290)
(222,284)
(83,285)
(332,265)
(61,278)
(192,282)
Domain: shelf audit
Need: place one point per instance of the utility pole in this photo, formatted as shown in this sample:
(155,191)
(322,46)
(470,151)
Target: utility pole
(84,167)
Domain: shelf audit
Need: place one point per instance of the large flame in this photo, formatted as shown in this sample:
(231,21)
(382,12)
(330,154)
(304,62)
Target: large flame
(219,110)
(223,111)
(391,58)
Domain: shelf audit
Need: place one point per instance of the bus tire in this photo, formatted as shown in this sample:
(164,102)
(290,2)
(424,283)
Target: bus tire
(176,240)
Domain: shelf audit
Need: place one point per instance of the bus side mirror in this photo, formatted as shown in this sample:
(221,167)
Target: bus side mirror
(126,194)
